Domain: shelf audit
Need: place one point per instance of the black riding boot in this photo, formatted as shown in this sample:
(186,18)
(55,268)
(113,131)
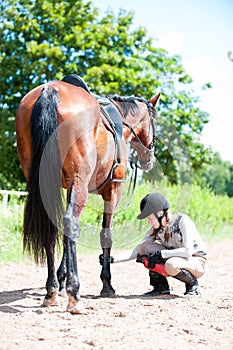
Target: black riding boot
(190,281)
(160,284)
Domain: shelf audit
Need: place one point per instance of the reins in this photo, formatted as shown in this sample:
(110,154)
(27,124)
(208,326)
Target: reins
(134,166)
(148,149)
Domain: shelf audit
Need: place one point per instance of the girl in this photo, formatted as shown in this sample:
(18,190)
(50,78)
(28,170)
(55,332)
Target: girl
(171,247)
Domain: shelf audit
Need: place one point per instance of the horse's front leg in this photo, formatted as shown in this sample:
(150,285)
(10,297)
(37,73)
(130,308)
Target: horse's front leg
(77,203)
(111,199)
(105,259)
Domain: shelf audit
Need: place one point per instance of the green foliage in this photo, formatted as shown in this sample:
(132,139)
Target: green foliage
(11,220)
(218,175)
(213,215)
(44,40)
(10,176)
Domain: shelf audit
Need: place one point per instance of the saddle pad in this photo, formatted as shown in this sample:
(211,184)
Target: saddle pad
(113,117)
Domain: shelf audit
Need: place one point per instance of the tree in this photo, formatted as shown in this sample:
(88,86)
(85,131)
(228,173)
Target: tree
(44,40)
(229,186)
(218,175)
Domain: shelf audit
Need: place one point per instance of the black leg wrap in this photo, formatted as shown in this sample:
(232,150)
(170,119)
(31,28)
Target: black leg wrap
(190,281)
(105,259)
(101,259)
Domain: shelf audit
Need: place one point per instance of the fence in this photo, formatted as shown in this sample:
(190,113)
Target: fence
(5,196)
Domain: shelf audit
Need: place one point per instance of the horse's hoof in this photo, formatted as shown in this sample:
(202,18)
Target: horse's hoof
(62,293)
(53,301)
(76,308)
(108,293)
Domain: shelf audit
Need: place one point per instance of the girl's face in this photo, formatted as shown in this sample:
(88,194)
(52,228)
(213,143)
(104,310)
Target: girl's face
(153,221)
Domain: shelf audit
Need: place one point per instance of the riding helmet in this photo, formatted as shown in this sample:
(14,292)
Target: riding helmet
(151,204)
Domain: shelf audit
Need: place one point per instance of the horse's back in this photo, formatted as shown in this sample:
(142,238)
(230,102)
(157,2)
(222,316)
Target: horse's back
(71,98)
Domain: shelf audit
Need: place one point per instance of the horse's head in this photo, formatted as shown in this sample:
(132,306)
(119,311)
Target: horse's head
(142,127)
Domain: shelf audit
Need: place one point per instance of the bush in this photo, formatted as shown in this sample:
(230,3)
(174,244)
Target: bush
(212,214)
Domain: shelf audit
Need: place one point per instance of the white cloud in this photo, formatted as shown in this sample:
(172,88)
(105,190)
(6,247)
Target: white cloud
(172,42)
(201,69)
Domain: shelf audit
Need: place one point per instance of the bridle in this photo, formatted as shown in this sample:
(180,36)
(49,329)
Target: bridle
(149,149)
(151,146)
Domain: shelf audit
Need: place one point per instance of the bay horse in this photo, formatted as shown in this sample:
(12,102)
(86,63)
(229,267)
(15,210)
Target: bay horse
(63,140)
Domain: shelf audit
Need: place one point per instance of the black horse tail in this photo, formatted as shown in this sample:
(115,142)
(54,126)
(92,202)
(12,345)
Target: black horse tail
(44,207)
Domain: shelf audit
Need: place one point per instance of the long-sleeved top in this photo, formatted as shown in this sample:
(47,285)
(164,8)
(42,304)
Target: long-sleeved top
(179,238)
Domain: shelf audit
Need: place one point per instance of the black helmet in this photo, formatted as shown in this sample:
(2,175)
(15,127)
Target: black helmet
(151,204)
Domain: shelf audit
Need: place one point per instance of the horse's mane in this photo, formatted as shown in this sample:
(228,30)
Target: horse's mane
(130,103)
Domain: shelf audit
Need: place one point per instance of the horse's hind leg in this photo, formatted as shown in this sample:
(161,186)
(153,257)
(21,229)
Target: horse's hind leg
(61,274)
(51,284)
(77,203)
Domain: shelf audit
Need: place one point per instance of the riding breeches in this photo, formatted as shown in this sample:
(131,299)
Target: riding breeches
(196,265)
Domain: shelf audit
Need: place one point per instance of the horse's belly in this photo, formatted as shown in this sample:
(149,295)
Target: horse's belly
(112,169)
(101,174)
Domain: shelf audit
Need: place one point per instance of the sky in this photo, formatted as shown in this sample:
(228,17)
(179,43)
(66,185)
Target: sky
(201,32)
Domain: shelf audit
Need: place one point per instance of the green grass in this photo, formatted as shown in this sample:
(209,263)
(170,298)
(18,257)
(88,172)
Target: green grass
(212,214)
(11,227)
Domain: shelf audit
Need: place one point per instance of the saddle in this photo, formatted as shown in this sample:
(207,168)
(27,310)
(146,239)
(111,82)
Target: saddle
(111,118)
(74,79)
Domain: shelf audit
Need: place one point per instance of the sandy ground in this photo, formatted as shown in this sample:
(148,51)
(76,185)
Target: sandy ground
(129,321)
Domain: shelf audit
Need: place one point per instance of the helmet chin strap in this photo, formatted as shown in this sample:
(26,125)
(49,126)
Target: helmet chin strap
(160,218)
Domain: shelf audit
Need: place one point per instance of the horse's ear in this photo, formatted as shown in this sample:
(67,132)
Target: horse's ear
(154,100)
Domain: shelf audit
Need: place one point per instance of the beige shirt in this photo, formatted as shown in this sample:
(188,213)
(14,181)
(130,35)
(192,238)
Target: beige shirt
(184,240)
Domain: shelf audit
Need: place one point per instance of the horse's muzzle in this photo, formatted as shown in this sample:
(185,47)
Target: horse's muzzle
(148,164)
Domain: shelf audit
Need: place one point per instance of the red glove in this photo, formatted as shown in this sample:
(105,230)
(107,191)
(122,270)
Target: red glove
(159,268)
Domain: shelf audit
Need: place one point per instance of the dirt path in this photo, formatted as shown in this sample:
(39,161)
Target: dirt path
(129,321)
